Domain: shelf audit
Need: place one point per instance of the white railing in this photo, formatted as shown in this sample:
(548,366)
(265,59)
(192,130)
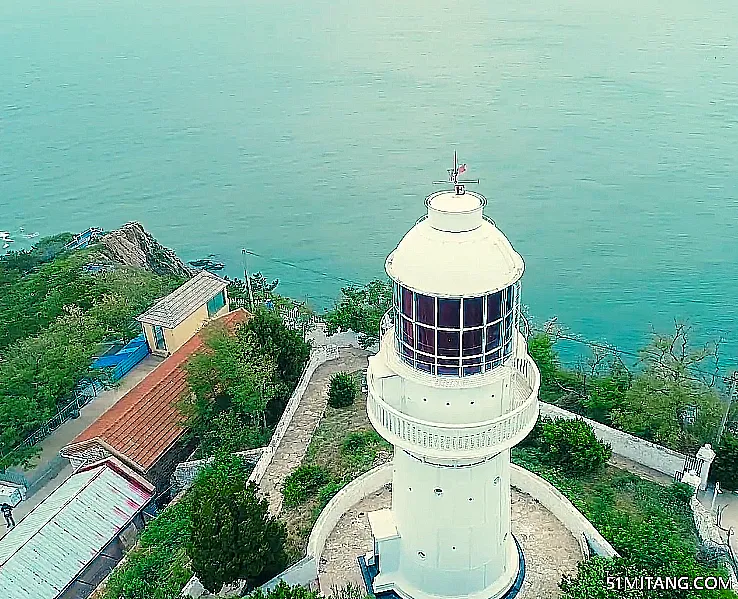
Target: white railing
(461,440)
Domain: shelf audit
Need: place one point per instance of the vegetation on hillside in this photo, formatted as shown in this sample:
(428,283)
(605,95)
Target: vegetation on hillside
(241,383)
(360,309)
(54,315)
(177,543)
(650,526)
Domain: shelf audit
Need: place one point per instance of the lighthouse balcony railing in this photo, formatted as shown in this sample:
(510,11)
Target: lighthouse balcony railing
(462,440)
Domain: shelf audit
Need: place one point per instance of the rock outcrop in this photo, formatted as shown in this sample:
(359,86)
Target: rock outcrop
(132,245)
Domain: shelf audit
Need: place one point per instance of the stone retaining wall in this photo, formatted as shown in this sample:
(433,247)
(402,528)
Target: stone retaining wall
(648,454)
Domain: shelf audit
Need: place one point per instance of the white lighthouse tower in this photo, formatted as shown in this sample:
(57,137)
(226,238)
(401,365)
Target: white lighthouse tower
(453,389)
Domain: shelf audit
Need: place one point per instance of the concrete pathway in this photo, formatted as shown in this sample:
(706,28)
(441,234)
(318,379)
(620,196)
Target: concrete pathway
(300,431)
(550,549)
(49,463)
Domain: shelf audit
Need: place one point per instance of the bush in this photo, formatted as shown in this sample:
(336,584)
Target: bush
(284,591)
(573,446)
(303,483)
(724,468)
(157,567)
(343,390)
(327,492)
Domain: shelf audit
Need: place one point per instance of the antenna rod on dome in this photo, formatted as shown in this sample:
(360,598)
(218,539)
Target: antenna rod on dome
(453,177)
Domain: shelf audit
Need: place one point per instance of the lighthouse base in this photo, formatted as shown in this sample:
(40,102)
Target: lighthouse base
(370,571)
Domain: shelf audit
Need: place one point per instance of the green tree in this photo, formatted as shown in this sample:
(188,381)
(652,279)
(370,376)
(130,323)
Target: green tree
(343,390)
(232,537)
(725,467)
(232,373)
(157,567)
(360,309)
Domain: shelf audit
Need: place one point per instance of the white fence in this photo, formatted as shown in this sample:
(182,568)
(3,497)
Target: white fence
(632,448)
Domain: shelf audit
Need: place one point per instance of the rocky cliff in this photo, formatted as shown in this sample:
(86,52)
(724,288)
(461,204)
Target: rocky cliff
(134,246)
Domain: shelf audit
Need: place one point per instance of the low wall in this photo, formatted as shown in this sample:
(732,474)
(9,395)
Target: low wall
(563,509)
(710,536)
(355,491)
(318,357)
(632,448)
(302,573)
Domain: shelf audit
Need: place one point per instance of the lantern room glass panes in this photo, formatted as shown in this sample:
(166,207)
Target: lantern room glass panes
(456,337)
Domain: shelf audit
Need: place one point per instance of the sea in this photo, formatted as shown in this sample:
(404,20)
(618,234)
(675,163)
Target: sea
(604,135)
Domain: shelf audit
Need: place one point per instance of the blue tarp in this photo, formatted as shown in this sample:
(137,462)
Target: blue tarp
(125,359)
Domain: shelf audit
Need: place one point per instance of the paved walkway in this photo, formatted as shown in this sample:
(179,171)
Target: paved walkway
(300,431)
(550,549)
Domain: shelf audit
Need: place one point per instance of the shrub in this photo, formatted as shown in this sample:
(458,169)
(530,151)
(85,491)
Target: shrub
(327,492)
(358,441)
(284,591)
(303,483)
(572,445)
(724,468)
(343,390)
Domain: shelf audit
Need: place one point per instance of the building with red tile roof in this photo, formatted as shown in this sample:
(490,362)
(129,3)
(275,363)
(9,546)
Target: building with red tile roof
(145,428)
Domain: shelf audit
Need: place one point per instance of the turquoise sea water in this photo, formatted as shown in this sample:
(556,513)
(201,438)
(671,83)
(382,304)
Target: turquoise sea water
(605,135)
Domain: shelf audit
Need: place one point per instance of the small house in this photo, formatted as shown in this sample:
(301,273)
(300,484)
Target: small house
(146,429)
(174,319)
(69,542)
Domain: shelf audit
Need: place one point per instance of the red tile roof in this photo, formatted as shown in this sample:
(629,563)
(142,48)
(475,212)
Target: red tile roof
(143,424)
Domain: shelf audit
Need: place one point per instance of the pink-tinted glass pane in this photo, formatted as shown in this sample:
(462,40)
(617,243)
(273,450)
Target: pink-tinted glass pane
(407,332)
(449,313)
(473,312)
(472,342)
(448,343)
(407,302)
(425,309)
(493,337)
(509,297)
(448,371)
(426,339)
(494,306)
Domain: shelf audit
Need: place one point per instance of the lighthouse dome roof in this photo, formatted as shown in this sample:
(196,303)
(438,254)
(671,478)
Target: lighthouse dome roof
(455,251)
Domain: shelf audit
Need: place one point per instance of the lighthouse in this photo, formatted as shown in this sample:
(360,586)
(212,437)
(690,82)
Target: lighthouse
(453,389)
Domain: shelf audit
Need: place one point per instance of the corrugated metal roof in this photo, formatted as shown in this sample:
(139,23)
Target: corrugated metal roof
(172,310)
(52,544)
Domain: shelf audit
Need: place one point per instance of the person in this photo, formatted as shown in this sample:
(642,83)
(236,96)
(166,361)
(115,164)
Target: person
(8,513)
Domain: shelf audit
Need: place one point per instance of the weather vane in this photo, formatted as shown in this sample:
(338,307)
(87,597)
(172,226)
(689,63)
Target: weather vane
(453,177)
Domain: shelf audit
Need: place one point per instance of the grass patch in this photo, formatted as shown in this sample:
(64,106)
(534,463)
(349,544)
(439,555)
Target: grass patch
(344,446)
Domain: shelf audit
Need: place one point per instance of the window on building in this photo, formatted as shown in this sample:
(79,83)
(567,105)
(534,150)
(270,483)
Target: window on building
(159,341)
(216,304)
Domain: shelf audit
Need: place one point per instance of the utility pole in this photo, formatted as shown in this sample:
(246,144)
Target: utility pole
(732,382)
(248,279)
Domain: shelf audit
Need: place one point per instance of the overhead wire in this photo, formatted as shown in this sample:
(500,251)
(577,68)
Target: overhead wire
(558,334)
